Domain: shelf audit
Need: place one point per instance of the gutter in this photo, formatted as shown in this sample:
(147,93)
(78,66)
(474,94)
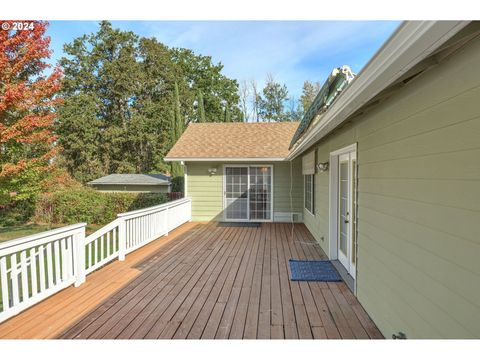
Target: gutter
(229,159)
(412,42)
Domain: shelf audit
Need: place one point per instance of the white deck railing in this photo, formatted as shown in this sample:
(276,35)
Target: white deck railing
(37,266)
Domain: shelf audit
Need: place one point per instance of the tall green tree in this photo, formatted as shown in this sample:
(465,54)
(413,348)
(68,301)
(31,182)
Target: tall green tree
(201,73)
(309,91)
(201,108)
(177,129)
(273,100)
(228,116)
(120,96)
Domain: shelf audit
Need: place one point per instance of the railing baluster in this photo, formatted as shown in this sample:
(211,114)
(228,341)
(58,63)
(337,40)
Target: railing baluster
(14,279)
(41,263)
(56,251)
(108,243)
(102,247)
(24,274)
(122,243)
(63,251)
(4,280)
(33,270)
(114,245)
(50,265)
(69,253)
(89,262)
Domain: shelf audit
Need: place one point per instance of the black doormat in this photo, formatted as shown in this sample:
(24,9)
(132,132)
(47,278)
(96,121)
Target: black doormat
(240,224)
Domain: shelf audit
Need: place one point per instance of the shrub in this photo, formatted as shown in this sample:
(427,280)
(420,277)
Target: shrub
(87,205)
(178,184)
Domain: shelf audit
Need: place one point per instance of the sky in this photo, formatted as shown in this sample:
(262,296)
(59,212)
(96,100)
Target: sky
(291,51)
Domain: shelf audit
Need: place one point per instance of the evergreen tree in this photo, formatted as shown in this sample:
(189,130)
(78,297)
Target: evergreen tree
(201,108)
(309,92)
(120,97)
(177,126)
(228,117)
(272,102)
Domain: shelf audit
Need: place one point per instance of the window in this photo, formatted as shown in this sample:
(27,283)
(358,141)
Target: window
(309,186)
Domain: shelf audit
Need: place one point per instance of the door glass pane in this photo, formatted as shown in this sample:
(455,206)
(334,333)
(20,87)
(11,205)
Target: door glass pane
(260,193)
(343,206)
(236,183)
(308,186)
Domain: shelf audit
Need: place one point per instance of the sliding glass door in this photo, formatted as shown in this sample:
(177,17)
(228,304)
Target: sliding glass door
(248,193)
(236,193)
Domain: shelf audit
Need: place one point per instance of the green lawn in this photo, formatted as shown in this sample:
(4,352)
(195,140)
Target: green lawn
(14,232)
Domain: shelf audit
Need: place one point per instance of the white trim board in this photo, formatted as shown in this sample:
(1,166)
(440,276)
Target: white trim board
(226,159)
(333,203)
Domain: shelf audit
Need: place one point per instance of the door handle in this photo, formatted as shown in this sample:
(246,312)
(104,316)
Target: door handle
(347,220)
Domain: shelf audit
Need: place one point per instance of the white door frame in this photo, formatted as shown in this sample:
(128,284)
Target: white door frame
(333,200)
(248,192)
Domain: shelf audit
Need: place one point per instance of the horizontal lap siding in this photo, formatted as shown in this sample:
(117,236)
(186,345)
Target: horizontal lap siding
(419,203)
(206,190)
(281,187)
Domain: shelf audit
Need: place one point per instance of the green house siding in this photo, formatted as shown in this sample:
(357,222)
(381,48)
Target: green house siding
(418,203)
(206,191)
(131,188)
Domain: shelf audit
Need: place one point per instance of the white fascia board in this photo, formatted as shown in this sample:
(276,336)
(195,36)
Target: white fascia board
(227,159)
(411,43)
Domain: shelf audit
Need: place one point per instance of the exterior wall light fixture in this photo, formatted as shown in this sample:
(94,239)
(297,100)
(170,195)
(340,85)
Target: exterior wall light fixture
(321,167)
(212,171)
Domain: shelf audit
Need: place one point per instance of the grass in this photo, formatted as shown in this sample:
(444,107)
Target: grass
(18,231)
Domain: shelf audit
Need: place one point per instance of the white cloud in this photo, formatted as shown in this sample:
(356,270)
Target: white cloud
(291,51)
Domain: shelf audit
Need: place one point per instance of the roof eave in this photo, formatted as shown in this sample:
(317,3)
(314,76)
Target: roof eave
(218,159)
(412,42)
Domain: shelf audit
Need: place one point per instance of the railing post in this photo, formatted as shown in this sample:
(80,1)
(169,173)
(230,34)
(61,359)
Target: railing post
(122,239)
(79,256)
(166,221)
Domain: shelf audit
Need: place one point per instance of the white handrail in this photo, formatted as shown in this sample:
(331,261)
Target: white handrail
(101,231)
(44,234)
(37,266)
(155,208)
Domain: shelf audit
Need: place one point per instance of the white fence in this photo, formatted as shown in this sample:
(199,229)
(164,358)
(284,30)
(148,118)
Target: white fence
(37,266)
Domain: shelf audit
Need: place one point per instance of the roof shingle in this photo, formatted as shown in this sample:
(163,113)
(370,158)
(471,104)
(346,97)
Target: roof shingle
(234,140)
(132,179)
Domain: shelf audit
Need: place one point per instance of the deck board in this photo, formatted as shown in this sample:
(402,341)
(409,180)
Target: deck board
(203,281)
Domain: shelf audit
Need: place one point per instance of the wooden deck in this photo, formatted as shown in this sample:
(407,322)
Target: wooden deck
(203,281)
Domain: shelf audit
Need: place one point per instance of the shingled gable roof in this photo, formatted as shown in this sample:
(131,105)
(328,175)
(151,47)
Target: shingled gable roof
(227,141)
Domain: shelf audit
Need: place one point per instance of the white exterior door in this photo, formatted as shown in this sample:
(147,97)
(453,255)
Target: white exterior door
(346,215)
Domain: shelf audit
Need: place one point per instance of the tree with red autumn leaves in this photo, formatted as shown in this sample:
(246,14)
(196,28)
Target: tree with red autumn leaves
(27,101)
